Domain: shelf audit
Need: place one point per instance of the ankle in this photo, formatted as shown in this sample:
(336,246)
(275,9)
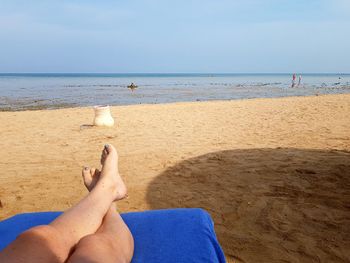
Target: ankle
(107,188)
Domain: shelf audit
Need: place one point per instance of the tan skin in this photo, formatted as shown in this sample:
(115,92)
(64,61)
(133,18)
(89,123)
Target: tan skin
(91,231)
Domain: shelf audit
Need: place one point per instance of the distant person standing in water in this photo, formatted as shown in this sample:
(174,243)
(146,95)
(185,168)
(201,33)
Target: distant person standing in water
(293,80)
(299,81)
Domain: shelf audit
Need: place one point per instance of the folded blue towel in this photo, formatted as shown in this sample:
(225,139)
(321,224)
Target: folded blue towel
(174,235)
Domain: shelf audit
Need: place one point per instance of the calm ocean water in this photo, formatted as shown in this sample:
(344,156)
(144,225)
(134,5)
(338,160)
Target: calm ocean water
(37,91)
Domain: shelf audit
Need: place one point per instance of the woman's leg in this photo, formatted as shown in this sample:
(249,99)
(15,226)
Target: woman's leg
(112,242)
(54,242)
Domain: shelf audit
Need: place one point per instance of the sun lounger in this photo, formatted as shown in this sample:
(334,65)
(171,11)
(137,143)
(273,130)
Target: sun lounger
(174,235)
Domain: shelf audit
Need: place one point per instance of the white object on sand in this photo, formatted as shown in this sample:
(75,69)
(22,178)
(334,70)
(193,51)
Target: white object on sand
(103,116)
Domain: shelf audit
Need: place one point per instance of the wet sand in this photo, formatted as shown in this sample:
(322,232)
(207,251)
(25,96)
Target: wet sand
(273,173)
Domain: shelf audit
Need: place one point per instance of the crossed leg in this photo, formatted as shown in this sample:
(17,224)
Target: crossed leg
(112,242)
(72,233)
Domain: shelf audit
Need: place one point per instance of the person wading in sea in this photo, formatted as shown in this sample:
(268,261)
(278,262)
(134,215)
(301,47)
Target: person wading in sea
(299,81)
(293,80)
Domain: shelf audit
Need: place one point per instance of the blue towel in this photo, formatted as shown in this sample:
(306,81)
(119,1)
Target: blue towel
(174,235)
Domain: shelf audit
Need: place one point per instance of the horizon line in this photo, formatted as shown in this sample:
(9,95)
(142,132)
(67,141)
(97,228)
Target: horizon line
(169,73)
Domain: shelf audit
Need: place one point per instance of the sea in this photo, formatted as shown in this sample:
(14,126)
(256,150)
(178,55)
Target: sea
(52,91)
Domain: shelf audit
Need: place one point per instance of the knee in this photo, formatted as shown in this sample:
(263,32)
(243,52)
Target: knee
(46,237)
(94,242)
(96,245)
(41,233)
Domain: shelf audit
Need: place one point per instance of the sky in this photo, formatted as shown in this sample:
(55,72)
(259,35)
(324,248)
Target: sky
(181,36)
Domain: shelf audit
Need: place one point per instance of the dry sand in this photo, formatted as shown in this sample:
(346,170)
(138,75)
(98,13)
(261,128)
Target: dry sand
(273,173)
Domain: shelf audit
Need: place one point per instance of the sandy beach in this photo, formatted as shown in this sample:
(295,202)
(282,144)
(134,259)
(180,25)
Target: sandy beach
(273,173)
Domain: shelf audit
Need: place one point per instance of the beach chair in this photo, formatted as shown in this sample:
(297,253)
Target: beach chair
(172,235)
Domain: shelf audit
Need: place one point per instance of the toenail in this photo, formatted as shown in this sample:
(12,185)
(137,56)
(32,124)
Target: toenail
(106,146)
(86,168)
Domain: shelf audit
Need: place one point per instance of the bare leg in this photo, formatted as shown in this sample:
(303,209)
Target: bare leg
(86,217)
(112,242)
(54,242)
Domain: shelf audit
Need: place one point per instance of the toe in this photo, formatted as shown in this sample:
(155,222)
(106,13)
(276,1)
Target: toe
(103,157)
(104,154)
(110,149)
(106,148)
(87,175)
(94,172)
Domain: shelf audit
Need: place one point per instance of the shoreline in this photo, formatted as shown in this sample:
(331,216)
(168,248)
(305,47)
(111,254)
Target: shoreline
(166,103)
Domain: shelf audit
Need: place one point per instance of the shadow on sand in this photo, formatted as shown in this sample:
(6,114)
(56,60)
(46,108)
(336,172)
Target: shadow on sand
(269,205)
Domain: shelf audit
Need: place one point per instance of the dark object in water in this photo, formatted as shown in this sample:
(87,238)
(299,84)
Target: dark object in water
(132,86)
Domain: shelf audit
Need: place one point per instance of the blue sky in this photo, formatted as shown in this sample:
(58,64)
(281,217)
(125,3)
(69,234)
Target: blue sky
(175,36)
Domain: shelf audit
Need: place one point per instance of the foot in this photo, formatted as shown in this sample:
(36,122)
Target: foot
(108,176)
(90,177)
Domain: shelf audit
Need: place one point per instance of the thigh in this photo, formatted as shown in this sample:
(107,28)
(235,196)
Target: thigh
(40,244)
